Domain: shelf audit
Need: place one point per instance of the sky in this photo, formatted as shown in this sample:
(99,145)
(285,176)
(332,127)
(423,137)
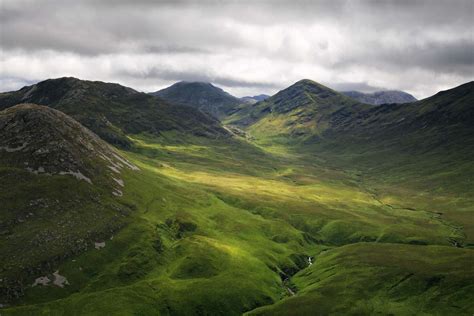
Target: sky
(245,47)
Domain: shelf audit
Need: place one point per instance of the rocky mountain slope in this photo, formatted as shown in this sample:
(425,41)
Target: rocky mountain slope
(201,95)
(60,185)
(381,97)
(112,111)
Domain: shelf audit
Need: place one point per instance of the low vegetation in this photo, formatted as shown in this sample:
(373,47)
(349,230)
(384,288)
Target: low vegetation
(274,224)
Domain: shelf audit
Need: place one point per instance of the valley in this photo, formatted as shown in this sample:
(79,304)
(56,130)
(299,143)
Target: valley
(215,223)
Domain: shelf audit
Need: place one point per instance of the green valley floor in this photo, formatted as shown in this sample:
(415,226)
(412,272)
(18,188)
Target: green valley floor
(233,227)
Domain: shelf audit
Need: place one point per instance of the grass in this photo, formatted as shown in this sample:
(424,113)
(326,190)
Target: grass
(366,279)
(218,226)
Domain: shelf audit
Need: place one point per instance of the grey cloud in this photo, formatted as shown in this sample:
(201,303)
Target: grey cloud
(354,86)
(391,36)
(186,75)
(448,57)
(13,83)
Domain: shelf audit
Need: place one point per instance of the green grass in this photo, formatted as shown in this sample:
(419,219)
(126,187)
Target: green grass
(387,279)
(217,225)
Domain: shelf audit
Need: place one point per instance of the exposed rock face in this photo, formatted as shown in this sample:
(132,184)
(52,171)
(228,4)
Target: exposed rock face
(46,141)
(381,97)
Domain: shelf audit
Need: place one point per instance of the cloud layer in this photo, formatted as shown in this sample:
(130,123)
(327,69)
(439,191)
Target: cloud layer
(246,47)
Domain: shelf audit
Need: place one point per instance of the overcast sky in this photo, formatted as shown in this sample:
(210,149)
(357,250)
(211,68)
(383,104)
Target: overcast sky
(245,47)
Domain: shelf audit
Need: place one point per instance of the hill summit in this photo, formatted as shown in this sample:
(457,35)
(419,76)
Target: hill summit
(61,189)
(201,95)
(302,109)
(113,111)
(46,141)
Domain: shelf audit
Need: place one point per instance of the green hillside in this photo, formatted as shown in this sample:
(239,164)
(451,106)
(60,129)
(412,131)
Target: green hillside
(293,114)
(112,111)
(323,206)
(60,185)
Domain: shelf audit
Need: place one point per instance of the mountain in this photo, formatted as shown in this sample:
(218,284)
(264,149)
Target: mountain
(440,116)
(201,95)
(411,158)
(308,110)
(300,110)
(319,195)
(254,99)
(61,186)
(381,97)
(112,111)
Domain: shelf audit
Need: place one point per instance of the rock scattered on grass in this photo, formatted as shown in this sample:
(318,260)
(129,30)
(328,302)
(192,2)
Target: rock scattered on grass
(99,245)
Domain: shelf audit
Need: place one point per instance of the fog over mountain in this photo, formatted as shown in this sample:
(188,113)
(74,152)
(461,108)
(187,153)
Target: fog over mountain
(245,47)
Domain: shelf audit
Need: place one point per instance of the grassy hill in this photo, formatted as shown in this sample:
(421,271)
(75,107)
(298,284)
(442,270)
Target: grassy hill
(233,227)
(293,114)
(201,95)
(344,213)
(369,279)
(60,185)
(112,111)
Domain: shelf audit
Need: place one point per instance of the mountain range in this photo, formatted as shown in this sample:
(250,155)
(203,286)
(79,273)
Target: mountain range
(112,110)
(191,201)
(381,97)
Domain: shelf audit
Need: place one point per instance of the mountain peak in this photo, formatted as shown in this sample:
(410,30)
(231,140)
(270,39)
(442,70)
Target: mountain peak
(312,87)
(303,93)
(202,95)
(196,83)
(306,82)
(299,105)
(112,110)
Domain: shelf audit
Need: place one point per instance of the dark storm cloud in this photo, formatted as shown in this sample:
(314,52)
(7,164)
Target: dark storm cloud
(242,45)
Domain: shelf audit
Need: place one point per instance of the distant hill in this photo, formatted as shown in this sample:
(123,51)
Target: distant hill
(300,110)
(311,112)
(381,97)
(112,111)
(60,185)
(254,99)
(447,109)
(201,95)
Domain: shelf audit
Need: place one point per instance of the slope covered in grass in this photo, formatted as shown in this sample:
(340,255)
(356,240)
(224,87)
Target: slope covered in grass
(387,279)
(231,224)
(112,111)
(300,111)
(59,188)
(356,218)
